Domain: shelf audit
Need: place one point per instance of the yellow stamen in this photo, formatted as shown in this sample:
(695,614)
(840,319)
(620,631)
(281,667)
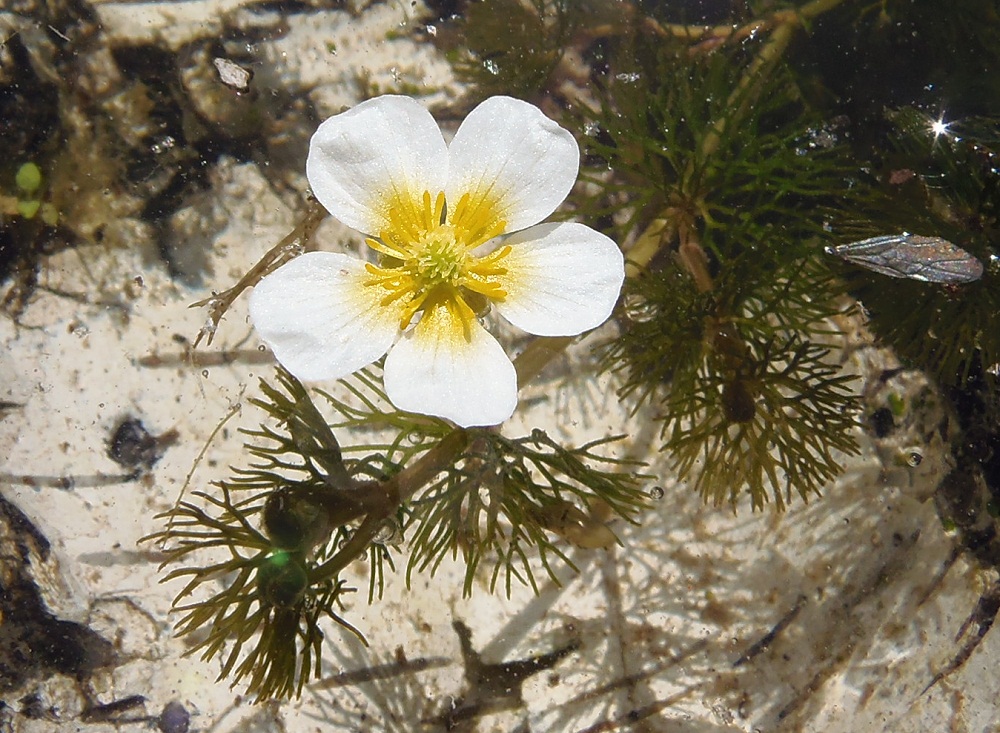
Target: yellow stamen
(427,259)
(477,219)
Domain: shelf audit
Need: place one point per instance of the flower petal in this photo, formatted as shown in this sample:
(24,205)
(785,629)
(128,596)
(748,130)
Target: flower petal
(320,319)
(510,156)
(561,280)
(436,370)
(383,150)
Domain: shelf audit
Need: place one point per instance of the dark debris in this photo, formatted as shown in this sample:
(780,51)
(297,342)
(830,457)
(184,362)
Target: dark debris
(174,719)
(33,642)
(132,446)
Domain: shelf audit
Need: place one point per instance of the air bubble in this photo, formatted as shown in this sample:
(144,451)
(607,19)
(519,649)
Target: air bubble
(638,309)
(390,533)
(656,493)
(163,145)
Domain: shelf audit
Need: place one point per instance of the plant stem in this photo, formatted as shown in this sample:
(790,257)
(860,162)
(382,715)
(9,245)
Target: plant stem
(537,354)
(394,492)
(739,102)
(661,231)
(294,243)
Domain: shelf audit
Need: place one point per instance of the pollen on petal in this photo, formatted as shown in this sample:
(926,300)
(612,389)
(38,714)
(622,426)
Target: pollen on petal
(560,279)
(509,155)
(453,369)
(320,318)
(377,149)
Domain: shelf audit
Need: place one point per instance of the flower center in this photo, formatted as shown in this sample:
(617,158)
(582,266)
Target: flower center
(427,256)
(440,258)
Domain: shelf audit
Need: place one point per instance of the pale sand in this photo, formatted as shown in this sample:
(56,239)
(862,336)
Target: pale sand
(661,620)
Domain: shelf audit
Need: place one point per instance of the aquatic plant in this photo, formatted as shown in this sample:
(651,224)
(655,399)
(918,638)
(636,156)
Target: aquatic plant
(710,158)
(948,184)
(731,183)
(512,47)
(27,202)
(292,521)
(429,211)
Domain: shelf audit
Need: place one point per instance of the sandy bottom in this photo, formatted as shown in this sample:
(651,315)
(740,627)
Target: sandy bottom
(831,617)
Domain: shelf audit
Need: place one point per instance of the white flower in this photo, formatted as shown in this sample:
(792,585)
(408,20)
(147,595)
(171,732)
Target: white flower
(439,216)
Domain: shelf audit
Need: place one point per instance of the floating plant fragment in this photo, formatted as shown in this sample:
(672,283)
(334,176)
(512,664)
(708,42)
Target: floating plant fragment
(930,259)
(232,74)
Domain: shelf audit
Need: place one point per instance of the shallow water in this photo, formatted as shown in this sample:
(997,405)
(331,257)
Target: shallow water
(827,592)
